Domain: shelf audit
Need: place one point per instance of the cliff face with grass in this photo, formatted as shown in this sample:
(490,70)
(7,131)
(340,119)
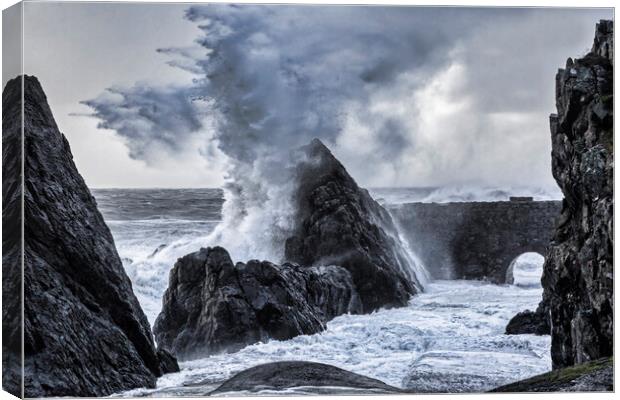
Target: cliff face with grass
(578,271)
(594,376)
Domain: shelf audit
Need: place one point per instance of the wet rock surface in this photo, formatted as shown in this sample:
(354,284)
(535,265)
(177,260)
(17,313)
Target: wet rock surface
(594,376)
(84,331)
(338,223)
(529,322)
(212,305)
(578,271)
(293,374)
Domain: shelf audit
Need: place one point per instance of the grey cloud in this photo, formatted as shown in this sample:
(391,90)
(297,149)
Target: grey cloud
(276,76)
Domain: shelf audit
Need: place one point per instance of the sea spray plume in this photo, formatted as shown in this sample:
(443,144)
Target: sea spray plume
(270,78)
(283,75)
(386,71)
(276,82)
(154,121)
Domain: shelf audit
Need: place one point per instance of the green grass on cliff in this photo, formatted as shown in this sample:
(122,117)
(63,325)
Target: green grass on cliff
(558,379)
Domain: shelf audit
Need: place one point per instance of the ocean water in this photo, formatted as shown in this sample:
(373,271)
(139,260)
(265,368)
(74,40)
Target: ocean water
(449,339)
(152,228)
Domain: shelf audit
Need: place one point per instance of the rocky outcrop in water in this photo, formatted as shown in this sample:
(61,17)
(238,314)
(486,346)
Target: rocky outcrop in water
(347,258)
(84,331)
(529,322)
(311,376)
(578,271)
(338,223)
(212,305)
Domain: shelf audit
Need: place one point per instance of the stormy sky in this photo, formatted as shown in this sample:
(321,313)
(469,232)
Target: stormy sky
(174,95)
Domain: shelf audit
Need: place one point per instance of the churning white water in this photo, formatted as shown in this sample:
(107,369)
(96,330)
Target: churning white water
(449,339)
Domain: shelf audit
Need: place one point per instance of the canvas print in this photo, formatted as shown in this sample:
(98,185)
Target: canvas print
(245,199)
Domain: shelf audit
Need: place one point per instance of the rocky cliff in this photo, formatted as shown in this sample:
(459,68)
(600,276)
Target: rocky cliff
(11,241)
(578,271)
(212,305)
(84,331)
(339,223)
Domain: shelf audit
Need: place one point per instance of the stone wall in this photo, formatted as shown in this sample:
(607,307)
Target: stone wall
(476,240)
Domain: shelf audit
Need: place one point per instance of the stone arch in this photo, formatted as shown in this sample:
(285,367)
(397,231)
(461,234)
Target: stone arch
(515,263)
(476,240)
(510,253)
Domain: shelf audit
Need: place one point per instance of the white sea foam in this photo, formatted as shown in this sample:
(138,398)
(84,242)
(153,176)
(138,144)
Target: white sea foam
(527,269)
(461,193)
(450,337)
(454,328)
(254,224)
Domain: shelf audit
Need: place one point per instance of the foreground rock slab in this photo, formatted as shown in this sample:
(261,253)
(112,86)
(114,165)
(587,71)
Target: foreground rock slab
(310,376)
(212,305)
(578,271)
(594,376)
(339,223)
(84,331)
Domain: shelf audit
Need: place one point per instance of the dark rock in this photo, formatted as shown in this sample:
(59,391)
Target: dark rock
(11,241)
(338,223)
(157,250)
(476,240)
(291,374)
(167,362)
(604,40)
(529,322)
(578,271)
(351,260)
(212,305)
(84,331)
(595,376)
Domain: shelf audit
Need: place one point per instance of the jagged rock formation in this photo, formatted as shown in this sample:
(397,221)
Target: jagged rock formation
(348,258)
(212,305)
(294,374)
(84,331)
(338,223)
(578,271)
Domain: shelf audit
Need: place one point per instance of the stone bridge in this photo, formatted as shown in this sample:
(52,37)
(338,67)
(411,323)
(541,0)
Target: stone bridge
(477,240)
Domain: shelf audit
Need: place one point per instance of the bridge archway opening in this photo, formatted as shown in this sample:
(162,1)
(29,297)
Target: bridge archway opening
(525,270)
